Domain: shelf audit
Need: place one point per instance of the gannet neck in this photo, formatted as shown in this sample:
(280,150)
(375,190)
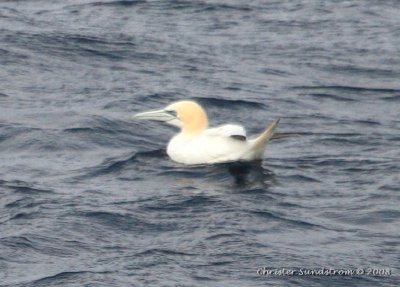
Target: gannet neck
(192,116)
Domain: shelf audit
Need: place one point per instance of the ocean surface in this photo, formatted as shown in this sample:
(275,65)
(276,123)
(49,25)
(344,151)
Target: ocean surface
(88,197)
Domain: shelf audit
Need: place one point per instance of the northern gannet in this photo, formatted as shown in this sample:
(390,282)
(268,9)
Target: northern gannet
(198,144)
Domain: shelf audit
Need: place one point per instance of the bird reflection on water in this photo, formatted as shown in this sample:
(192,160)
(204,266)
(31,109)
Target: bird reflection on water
(233,176)
(250,174)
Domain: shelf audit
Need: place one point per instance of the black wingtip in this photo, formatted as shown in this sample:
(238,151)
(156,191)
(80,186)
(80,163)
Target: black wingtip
(239,137)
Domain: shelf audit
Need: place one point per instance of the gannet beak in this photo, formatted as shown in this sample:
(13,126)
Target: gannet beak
(159,115)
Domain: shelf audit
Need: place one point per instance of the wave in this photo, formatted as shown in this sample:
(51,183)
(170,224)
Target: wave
(340,98)
(296,223)
(348,88)
(161,251)
(114,165)
(109,3)
(77,46)
(232,104)
(65,277)
(20,186)
(121,3)
(125,221)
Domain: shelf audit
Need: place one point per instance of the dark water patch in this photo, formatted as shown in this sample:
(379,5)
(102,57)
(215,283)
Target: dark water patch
(296,223)
(5,11)
(223,236)
(17,241)
(203,7)
(25,216)
(368,122)
(25,202)
(202,278)
(49,141)
(94,41)
(233,88)
(380,196)
(314,116)
(102,132)
(276,72)
(302,178)
(16,16)
(71,45)
(118,4)
(122,3)
(290,205)
(377,217)
(394,98)
(222,263)
(218,7)
(40,244)
(359,170)
(241,175)
(12,57)
(167,252)
(254,191)
(198,203)
(81,130)
(333,134)
(248,174)
(112,55)
(66,277)
(34,139)
(101,125)
(389,187)
(353,89)
(352,69)
(232,104)
(344,162)
(342,141)
(158,100)
(278,136)
(198,171)
(118,104)
(323,96)
(20,186)
(109,166)
(127,222)
(114,165)
(9,132)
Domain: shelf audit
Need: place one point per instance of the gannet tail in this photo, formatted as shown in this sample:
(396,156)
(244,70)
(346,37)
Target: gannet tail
(258,144)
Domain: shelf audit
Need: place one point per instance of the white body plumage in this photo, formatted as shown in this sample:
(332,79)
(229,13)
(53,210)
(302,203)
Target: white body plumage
(196,144)
(210,146)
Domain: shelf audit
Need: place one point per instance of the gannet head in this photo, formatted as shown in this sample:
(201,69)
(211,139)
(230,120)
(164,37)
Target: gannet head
(188,115)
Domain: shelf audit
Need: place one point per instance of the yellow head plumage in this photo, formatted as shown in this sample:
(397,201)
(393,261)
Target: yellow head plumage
(192,116)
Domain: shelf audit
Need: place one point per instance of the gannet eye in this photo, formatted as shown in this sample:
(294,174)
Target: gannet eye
(172,113)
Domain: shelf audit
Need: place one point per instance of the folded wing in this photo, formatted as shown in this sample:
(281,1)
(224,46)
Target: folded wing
(229,130)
